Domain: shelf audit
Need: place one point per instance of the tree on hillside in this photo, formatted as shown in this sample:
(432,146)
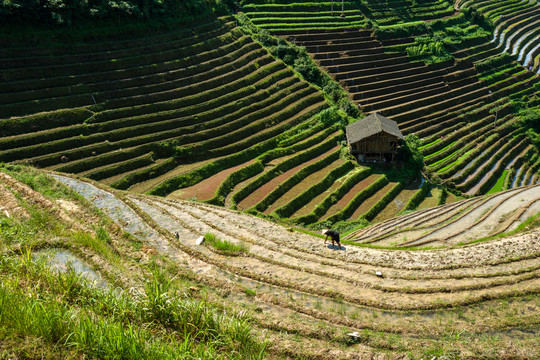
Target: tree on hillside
(70,12)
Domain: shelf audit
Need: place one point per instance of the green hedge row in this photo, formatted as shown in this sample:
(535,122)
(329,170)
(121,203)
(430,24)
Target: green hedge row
(123,139)
(311,25)
(493,62)
(523,171)
(263,144)
(81,48)
(473,118)
(497,173)
(145,174)
(112,157)
(490,140)
(191,115)
(301,132)
(501,134)
(139,70)
(460,115)
(383,202)
(234,179)
(313,18)
(475,133)
(299,111)
(88,43)
(42,105)
(331,199)
(51,149)
(510,176)
(299,146)
(288,184)
(305,197)
(210,169)
(299,7)
(359,198)
(278,106)
(191,92)
(42,137)
(418,197)
(297,14)
(119,63)
(441,101)
(283,167)
(176,77)
(122,167)
(114,82)
(40,122)
(244,84)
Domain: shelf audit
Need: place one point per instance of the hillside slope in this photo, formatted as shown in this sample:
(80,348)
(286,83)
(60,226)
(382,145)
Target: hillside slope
(287,282)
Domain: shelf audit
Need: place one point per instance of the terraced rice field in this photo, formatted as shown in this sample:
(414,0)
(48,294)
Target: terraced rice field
(297,285)
(516,28)
(208,114)
(303,14)
(461,113)
(458,223)
(181,102)
(395,12)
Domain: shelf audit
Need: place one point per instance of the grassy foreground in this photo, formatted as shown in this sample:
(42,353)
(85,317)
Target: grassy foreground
(144,311)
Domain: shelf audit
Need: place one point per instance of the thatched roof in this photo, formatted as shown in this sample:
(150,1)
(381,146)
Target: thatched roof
(371,125)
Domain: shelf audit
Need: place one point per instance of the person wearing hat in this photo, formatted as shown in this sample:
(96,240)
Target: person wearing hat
(334,235)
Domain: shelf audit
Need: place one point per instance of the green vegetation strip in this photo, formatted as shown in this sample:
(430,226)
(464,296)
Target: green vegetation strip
(283,167)
(285,186)
(358,199)
(292,206)
(381,204)
(319,210)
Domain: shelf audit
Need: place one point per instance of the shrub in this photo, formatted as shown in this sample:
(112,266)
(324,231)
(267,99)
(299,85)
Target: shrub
(411,155)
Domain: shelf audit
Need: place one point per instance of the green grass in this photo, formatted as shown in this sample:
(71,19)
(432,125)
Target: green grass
(499,184)
(157,323)
(224,246)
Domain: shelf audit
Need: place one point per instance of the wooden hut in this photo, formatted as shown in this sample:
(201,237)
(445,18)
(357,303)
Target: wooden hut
(374,137)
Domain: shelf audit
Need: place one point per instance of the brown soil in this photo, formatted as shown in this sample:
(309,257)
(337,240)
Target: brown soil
(308,208)
(259,194)
(148,185)
(305,184)
(206,189)
(350,195)
(398,203)
(9,205)
(371,201)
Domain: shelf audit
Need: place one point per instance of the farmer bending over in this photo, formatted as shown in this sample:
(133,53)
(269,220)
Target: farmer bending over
(334,235)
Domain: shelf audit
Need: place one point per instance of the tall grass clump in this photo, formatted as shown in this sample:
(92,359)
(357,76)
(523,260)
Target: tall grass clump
(224,246)
(160,322)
